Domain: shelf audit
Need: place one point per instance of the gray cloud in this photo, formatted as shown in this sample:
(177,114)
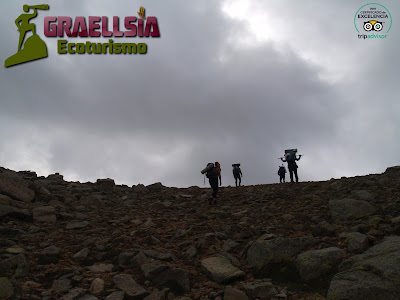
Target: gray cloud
(201,95)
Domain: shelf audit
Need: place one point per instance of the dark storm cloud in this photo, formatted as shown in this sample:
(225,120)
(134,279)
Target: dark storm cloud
(198,96)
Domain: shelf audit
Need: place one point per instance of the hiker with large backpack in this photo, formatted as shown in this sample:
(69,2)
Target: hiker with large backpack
(213,172)
(290,158)
(282,173)
(237,173)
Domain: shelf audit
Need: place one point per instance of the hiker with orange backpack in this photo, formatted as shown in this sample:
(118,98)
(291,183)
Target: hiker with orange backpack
(213,172)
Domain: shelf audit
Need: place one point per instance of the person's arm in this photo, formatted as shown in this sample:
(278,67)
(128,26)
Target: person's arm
(17,21)
(240,171)
(284,160)
(219,175)
(298,157)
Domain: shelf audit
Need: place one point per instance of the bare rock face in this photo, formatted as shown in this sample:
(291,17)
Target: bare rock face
(15,190)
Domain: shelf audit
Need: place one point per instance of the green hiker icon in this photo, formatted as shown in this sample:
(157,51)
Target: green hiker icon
(34,48)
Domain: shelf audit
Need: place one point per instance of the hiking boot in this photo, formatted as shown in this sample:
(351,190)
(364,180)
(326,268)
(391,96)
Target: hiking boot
(210,201)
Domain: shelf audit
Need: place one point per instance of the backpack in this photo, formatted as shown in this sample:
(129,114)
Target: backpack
(212,173)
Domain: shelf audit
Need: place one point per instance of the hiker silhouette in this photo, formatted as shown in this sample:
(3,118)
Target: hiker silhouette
(33,48)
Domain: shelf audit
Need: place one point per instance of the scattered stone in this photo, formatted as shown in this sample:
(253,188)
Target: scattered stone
(74,294)
(323,228)
(97,286)
(356,242)
(88,297)
(6,288)
(260,290)
(221,270)
(62,285)
(116,296)
(288,217)
(4,200)
(81,255)
(15,250)
(234,294)
(44,214)
(101,268)
(50,255)
(124,258)
(77,225)
(126,283)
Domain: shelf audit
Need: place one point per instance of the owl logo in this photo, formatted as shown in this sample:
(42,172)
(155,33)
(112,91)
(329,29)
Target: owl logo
(141,12)
(373,25)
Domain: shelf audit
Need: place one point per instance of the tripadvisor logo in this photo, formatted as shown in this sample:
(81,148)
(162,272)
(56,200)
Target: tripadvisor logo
(35,48)
(373,21)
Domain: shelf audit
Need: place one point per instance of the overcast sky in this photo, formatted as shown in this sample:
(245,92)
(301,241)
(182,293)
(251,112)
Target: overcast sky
(228,81)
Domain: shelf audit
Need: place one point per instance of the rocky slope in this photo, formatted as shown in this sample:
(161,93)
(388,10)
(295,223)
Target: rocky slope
(337,239)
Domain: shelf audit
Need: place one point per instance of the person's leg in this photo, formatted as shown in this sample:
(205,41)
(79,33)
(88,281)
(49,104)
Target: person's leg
(240,180)
(295,174)
(215,192)
(236,181)
(291,174)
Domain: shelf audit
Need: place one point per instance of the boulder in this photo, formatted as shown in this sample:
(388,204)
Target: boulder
(318,264)
(374,274)
(106,184)
(13,212)
(348,209)
(260,290)
(356,242)
(126,283)
(15,190)
(155,187)
(262,254)
(221,270)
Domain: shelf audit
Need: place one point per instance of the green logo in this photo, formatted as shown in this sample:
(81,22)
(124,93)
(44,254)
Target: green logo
(34,47)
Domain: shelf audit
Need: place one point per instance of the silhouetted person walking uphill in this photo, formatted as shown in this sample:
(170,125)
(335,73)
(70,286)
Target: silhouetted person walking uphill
(290,158)
(237,173)
(282,173)
(213,172)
